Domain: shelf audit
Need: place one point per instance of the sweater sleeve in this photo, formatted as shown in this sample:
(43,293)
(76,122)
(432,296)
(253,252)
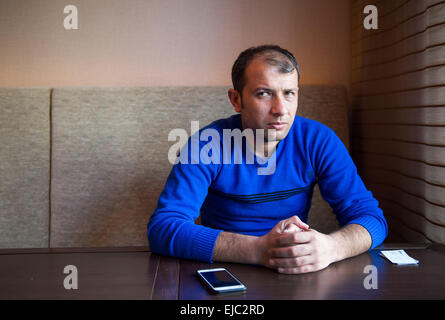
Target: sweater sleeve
(342,187)
(172,230)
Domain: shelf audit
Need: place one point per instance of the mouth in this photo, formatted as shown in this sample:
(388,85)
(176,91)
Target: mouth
(277,125)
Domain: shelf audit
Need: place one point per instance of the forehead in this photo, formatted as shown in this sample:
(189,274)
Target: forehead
(259,72)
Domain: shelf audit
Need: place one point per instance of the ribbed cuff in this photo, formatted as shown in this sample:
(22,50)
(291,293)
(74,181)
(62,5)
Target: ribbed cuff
(376,228)
(204,243)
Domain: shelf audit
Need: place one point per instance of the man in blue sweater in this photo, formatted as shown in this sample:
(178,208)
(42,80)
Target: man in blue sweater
(259,218)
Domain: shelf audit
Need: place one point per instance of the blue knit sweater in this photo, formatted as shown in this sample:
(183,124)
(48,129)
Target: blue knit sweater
(234,197)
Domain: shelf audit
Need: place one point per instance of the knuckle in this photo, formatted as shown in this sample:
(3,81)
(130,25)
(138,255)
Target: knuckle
(290,270)
(284,270)
(299,262)
(305,269)
(310,235)
(314,250)
(289,252)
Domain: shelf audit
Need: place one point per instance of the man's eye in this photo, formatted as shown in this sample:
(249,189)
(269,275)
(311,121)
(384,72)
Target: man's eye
(263,94)
(290,93)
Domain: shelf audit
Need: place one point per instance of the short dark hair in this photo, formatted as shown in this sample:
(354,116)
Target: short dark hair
(273,55)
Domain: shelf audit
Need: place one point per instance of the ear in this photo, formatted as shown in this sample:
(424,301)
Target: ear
(235,99)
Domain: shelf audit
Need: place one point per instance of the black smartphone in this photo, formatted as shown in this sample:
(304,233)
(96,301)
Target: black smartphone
(220,280)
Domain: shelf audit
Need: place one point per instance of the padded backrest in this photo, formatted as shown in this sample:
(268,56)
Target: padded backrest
(24,167)
(109,162)
(110,157)
(110,147)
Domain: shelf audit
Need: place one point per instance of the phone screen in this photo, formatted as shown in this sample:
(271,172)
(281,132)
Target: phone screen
(221,279)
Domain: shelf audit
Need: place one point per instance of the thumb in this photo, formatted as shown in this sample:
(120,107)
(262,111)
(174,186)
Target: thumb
(294,220)
(291,228)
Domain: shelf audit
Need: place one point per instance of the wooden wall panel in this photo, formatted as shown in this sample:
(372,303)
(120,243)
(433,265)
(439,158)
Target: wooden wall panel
(419,41)
(415,223)
(416,205)
(398,113)
(430,116)
(434,194)
(433,96)
(412,151)
(400,24)
(430,135)
(428,77)
(431,174)
(429,57)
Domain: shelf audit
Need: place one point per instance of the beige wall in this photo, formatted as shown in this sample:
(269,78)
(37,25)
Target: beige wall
(167,42)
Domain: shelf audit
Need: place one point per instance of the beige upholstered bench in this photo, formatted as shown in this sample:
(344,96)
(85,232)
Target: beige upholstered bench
(83,167)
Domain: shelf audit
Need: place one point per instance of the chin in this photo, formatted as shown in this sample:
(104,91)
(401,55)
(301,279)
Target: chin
(277,138)
(280,135)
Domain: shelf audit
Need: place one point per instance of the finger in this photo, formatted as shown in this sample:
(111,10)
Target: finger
(291,228)
(293,238)
(298,270)
(297,221)
(291,251)
(292,262)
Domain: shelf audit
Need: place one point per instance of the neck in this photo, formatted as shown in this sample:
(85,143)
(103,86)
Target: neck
(269,148)
(261,148)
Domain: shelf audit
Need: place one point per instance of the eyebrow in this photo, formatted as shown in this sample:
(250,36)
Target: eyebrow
(269,89)
(263,89)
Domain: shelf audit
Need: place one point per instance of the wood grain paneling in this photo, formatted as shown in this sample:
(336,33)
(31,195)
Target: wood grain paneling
(433,96)
(418,42)
(435,194)
(431,174)
(430,135)
(431,116)
(398,116)
(416,222)
(429,57)
(397,25)
(433,213)
(413,151)
(429,77)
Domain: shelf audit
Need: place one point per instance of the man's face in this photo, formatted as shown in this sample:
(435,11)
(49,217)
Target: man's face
(269,98)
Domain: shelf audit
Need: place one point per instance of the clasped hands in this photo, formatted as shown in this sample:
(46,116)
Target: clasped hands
(292,247)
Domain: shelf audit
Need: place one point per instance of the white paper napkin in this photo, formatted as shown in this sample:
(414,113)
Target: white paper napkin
(399,257)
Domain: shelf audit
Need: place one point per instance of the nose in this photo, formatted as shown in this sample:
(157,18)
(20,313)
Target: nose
(278,107)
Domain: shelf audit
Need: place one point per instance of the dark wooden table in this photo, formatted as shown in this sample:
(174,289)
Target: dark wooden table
(136,273)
